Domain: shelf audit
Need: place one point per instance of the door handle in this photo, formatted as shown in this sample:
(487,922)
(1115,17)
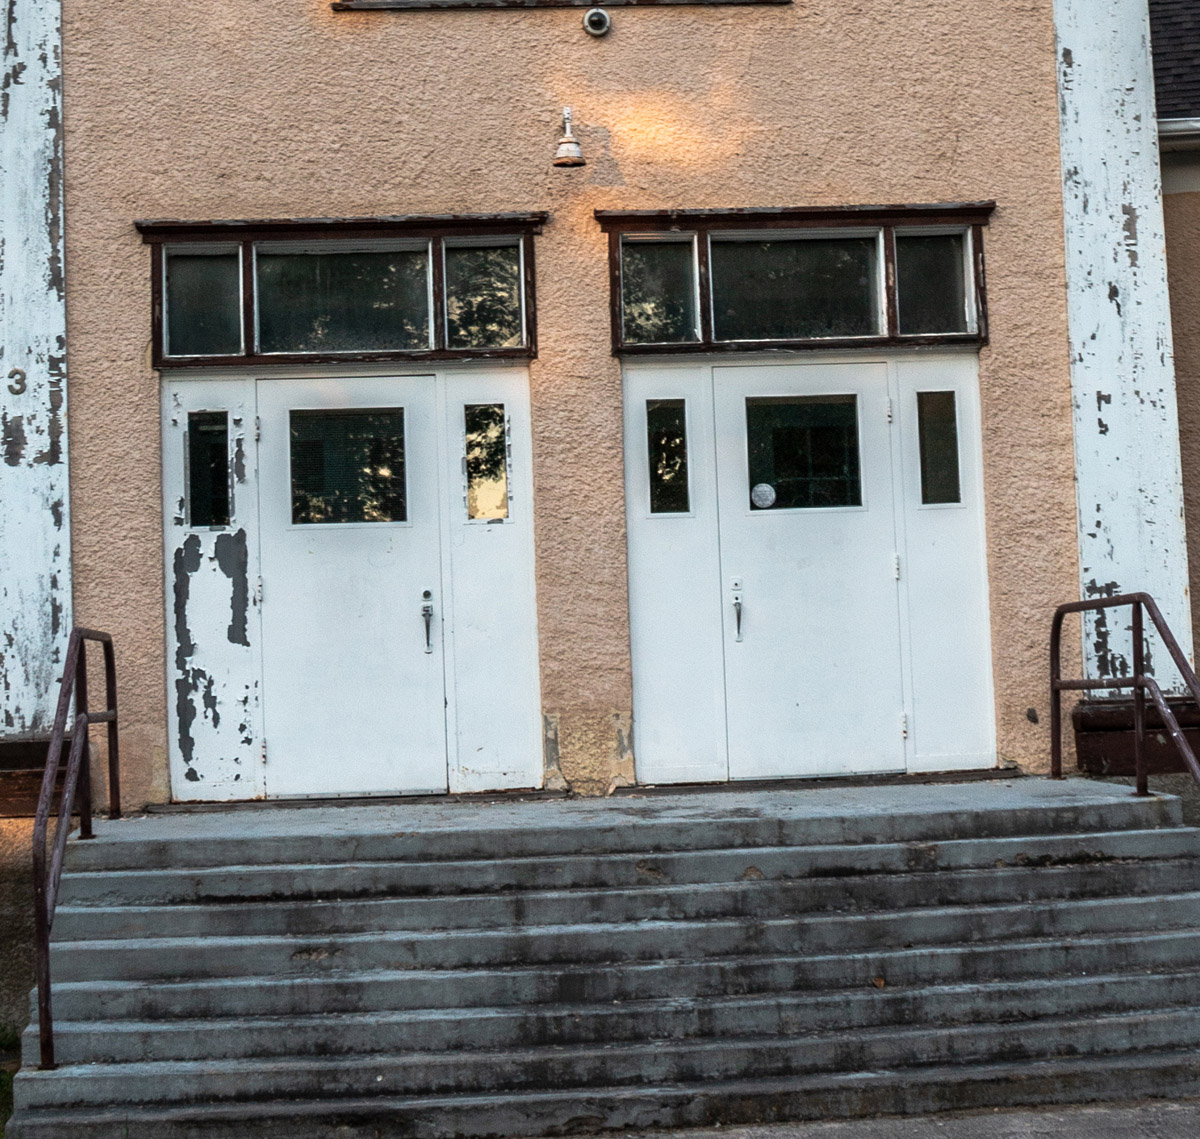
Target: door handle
(427,614)
(735,586)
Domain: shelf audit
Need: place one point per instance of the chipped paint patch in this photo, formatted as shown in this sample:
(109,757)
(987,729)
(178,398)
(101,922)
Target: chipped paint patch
(35,569)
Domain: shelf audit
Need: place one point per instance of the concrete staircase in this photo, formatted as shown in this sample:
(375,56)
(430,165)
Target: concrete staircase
(541,967)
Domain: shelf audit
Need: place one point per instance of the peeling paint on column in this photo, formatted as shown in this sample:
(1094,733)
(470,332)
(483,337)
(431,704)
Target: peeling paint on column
(35,570)
(1128,480)
(214,705)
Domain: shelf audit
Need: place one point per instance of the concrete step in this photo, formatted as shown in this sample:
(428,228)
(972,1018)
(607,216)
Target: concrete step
(590,1066)
(755,898)
(179,957)
(358,878)
(522,985)
(911,1091)
(452,831)
(672,1018)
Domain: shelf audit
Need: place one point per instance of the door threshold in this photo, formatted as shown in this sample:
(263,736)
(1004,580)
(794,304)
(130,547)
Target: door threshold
(196,807)
(893,779)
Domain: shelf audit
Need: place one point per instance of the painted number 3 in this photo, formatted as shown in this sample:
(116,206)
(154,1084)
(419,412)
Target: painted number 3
(17,383)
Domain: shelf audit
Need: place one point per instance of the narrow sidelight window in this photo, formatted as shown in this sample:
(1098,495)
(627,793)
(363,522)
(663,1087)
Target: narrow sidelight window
(658,291)
(203,301)
(937,426)
(483,296)
(208,468)
(930,273)
(666,431)
(486,461)
(803,452)
(795,290)
(348,466)
(318,300)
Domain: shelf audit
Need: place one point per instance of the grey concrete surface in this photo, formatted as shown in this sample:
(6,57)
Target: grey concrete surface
(1150,1120)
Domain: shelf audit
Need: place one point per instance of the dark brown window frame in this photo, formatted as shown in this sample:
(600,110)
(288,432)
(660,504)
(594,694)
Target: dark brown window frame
(436,228)
(973,216)
(378,5)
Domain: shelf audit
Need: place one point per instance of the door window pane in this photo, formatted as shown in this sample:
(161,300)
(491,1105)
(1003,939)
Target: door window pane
(204,303)
(483,297)
(487,461)
(666,431)
(208,468)
(348,466)
(937,427)
(803,451)
(365,301)
(931,290)
(658,292)
(794,289)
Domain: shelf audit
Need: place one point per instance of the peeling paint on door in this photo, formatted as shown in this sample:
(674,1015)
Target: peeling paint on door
(35,568)
(214,669)
(1129,488)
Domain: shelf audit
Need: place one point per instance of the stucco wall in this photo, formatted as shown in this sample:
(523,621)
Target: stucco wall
(283,108)
(1182,212)
(16,922)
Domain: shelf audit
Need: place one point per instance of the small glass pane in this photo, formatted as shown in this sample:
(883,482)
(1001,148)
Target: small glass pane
(204,304)
(666,431)
(658,292)
(803,451)
(795,289)
(348,466)
(483,297)
(931,291)
(208,468)
(937,426)
(487,461)
(364,301)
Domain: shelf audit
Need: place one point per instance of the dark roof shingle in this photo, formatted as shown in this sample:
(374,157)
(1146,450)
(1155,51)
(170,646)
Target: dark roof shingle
(1175,27)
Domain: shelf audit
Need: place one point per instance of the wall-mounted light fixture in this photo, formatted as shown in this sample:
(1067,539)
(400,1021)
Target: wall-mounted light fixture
(569,152)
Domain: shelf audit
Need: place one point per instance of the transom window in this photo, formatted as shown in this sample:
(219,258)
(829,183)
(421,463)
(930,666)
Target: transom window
(362,289)
(755,279)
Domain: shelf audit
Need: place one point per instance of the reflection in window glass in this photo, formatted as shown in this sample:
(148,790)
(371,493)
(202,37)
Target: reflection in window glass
(364,301)
(658,292)
(348,466)
(208,468)
(803,452)
(666,432)
(794,289)
(487,461)
(931,290)
(937,427)
(204,306)
(483,296)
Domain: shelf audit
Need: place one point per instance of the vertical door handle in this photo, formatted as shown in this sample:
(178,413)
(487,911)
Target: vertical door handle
(735,587)
(427,614)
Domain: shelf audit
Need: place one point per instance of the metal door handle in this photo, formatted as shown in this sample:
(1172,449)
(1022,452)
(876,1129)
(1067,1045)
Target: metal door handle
(427,614)
(737,615)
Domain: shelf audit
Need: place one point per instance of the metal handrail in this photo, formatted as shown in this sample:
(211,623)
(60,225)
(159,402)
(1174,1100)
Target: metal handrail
(1139,682)
(46,876)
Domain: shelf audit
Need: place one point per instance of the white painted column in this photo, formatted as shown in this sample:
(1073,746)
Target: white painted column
(35,567)
(1130,494)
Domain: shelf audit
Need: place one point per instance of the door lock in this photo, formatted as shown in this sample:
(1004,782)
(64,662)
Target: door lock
(427,614)
(735,586)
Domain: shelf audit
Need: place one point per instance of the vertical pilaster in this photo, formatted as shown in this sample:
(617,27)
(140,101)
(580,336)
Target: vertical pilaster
(35,566)
(1130,496)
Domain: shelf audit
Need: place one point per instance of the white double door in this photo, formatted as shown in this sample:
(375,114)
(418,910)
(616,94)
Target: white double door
(807,572)
(396,635)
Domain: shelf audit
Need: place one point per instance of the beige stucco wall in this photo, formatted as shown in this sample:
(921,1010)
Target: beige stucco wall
(284,108)
(1182,216)
(16,925)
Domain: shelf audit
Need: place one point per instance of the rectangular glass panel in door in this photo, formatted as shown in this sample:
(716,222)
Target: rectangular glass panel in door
(813,674)
(353,684)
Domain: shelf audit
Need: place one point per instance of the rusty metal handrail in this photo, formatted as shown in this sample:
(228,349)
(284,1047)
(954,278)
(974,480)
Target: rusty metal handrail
(46,877)
(1139,682)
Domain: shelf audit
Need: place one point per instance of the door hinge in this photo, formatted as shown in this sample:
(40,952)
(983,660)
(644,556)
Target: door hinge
(889,409)
(262,750)
(896,565)
(257,429)
(904,725)
(258,591)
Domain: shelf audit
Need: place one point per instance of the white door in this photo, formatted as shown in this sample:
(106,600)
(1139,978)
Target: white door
(808,588)
(349,515)
(808,548)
